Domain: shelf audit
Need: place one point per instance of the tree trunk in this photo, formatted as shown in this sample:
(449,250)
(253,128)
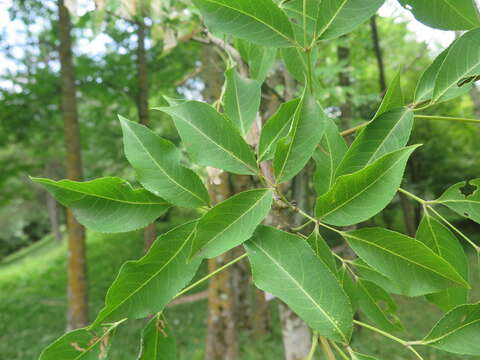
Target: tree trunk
(378,54)
(221,342)
(475,95)
(150,232)
(346,109)
(77,268)
(52,205)
(408,208)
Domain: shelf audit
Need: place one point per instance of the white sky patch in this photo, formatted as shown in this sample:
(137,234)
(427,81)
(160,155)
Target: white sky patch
(436,39)
(14,32)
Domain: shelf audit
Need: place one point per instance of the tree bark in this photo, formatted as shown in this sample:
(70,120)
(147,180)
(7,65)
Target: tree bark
(378,54)
(408,209)
(77,269)
(150,232)
(222,340)
(52,205)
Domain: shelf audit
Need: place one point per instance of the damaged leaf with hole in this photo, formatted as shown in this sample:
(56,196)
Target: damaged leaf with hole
(464,199)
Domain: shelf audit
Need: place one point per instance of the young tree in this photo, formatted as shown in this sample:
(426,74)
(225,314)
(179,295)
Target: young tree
(322,287)
(77,267)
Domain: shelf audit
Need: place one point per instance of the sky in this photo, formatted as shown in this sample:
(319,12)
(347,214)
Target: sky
(436,39)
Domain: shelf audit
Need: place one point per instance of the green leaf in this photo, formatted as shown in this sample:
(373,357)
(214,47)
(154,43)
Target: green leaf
(80,344)
(276,128)
(388,132)
(231,222)
(441,240)
(378,306)
(241,100)
(211,139)
(296,62)
(464,205)
(260,59)
(328,156)
(158,342)
(414,268)
(461,65)
(294,10)
(445,14)
(281,263)
(146,286)
(359,196)
(457,332)
(426,84)
(157,164)
(322,250)
(261,22)
(294,150)
(338,17)
(107,204)
(374,276)
(349,286)
(393,97)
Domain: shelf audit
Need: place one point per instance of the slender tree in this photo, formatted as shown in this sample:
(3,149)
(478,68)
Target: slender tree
(77,267)
(408,207)
(149,232)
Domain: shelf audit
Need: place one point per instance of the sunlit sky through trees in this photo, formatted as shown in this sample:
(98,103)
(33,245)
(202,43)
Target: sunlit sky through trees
(14,36)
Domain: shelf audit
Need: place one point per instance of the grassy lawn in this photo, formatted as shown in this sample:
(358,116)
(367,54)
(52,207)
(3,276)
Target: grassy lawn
(33,303)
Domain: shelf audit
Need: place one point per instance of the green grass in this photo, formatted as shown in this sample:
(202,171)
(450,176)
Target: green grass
(33,304)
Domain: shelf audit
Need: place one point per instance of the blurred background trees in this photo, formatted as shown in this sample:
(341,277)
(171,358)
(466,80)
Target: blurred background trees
(126,56)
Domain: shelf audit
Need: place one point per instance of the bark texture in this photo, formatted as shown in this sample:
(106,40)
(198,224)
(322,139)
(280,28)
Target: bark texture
(222,340)
(77,273)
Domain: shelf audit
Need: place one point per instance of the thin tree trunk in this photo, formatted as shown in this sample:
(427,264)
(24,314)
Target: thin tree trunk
(150,232)
(378,54)
(54,216)
(222,339)
(346,109)
(295,333)
(408,209)
(77,269)
(222,343)
(53,207)
(475,95)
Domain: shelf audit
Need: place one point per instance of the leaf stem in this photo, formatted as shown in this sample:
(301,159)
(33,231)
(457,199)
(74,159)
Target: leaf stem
(353,129)
(414,197)
(447,118)
(454,228)
(313,347)
(327,350)
(213,273)
(381,332)
(340,351)
(407,344)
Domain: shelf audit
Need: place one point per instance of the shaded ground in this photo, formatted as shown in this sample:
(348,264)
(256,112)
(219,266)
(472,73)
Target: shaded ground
(32,307)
